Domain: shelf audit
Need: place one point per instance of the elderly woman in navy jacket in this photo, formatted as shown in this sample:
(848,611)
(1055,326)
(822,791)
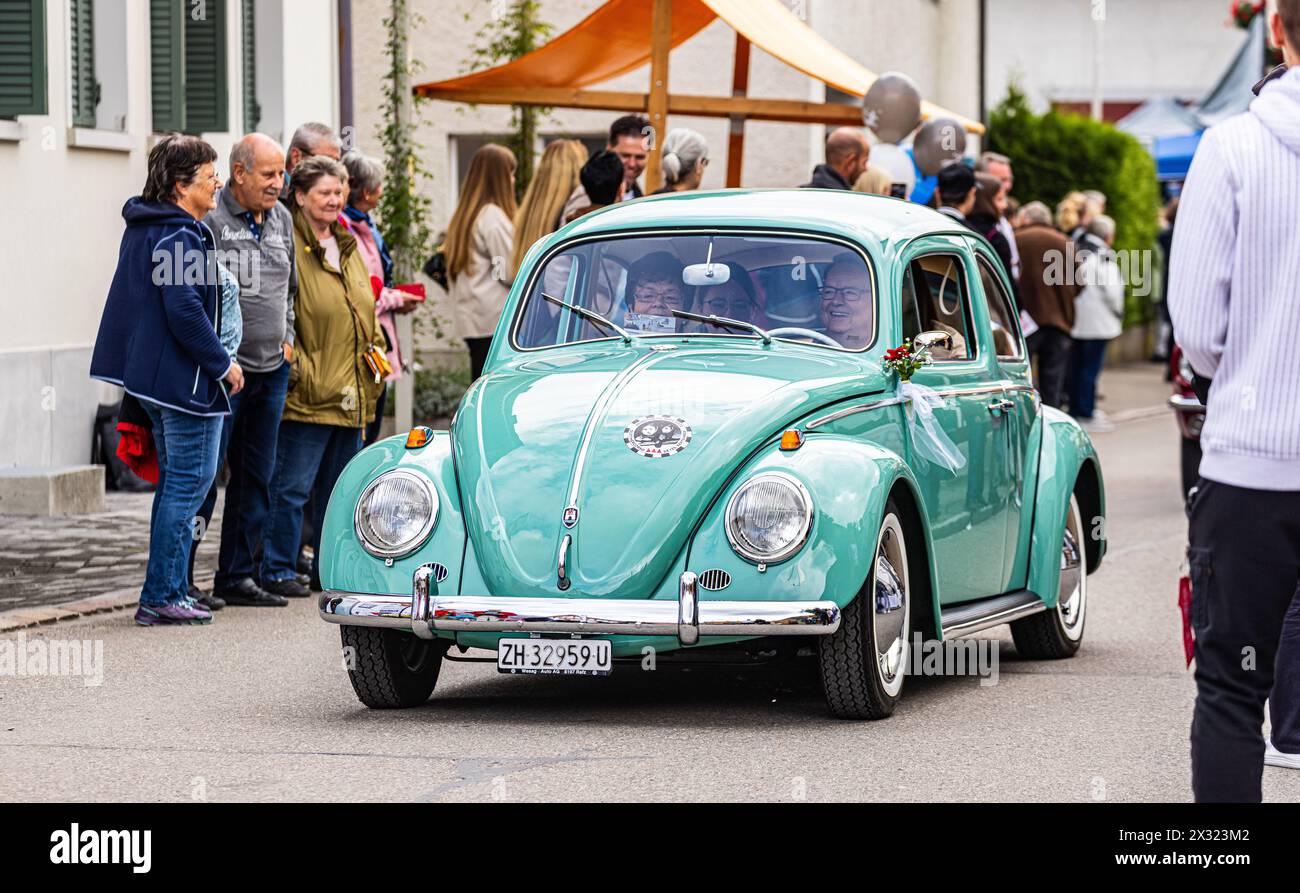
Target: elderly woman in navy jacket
(158,339)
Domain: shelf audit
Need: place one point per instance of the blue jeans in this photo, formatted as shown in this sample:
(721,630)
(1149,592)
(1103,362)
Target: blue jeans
(1089,356)
(308,461)
(187,447)
(248,443)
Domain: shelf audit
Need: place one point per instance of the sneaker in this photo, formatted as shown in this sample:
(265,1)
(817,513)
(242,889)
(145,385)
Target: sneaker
(1099,416)
(179,613)
(1275,757)
(247,594)
(289,587)
(212,602)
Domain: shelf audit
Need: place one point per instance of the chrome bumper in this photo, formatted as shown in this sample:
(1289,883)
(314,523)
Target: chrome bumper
(687,618)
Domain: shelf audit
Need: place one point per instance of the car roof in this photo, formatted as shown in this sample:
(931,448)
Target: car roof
(877,221)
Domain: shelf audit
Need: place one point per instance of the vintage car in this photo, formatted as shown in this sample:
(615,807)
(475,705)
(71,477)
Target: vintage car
(685,438)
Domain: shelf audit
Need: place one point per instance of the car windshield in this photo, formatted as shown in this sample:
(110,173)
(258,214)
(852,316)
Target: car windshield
(799,289)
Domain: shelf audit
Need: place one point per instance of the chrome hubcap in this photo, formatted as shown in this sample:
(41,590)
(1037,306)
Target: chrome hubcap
(1072,594)
(891,607)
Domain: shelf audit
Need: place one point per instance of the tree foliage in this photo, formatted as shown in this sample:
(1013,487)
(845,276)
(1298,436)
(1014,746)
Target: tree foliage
(1058,153)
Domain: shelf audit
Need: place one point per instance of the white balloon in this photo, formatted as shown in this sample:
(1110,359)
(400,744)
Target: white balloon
(894,159)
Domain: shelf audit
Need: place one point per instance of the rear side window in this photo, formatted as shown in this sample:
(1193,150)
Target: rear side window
(1006,332)
(935,300)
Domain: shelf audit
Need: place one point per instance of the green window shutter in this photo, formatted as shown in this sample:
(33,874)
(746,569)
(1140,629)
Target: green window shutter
(205,67)
(167,69)
(85,89)
(252,111)
(22,58)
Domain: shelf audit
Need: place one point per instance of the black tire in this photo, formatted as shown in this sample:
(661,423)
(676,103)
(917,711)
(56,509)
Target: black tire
(390,668)
(1057,633)
(850,671)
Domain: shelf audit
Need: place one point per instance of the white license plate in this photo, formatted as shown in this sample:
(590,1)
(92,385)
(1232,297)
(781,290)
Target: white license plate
(563,657)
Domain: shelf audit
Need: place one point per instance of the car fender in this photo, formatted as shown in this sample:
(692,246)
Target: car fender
(849,482)
(1067,463)
(345,565)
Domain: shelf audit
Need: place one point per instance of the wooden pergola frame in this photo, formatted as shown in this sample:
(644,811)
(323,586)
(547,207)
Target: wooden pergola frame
(658,103)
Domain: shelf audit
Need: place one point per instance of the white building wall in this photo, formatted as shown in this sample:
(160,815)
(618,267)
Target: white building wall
(63,221)
(1151,48)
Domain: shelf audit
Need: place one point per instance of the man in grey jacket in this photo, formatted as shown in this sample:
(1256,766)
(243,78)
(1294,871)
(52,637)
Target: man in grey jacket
(254,238)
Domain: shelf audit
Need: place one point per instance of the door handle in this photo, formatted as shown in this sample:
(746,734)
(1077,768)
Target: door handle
(998,407)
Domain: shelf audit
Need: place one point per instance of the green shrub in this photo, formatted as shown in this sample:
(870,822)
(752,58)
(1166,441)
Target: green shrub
(438,393)
(1058,153)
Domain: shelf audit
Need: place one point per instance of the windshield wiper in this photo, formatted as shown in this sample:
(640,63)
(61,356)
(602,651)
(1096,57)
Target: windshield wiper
(724,322)
(591,316)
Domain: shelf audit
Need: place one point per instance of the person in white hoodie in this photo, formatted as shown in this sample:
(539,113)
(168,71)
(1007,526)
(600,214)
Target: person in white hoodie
(1098,320)
(1234,275)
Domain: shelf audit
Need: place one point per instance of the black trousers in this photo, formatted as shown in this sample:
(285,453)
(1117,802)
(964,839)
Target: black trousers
(1245,566)
(1052,348)
(478,351)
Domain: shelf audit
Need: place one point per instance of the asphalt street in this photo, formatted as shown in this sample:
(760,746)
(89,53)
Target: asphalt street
(258,707)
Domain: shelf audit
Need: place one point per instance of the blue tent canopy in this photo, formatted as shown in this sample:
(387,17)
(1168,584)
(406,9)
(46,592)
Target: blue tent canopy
(1174,155)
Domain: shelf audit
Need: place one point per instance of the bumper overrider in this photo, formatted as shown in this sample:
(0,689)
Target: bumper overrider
(687,618)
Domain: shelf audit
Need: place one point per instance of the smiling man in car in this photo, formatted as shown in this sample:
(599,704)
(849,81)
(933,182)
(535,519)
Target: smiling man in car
(846,302)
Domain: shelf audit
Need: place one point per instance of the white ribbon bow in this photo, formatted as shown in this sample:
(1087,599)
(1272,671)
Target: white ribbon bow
(928,437)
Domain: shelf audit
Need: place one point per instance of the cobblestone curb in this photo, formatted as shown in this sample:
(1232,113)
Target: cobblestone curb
(21,618)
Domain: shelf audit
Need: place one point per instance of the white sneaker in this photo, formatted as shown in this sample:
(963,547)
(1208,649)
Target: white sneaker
(1095,425)
(1275,757)
(1099,416)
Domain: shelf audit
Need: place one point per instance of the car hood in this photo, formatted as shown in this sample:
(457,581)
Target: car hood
(542,433)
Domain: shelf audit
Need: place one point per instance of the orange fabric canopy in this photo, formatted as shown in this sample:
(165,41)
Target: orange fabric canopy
(615,39)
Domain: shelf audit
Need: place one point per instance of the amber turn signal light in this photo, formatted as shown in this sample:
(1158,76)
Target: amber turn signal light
(418,437)
(792,439)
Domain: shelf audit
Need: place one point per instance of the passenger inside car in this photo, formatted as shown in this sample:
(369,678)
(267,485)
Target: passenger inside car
(734,299)
(846,302)
(654,291)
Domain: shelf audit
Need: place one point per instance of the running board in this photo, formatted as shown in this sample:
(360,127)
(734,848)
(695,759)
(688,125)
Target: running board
(971,617)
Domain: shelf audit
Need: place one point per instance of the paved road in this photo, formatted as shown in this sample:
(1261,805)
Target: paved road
(257,707)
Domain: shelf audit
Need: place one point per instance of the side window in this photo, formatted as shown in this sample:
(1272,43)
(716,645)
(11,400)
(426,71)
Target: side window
(1006,334)
(938,291)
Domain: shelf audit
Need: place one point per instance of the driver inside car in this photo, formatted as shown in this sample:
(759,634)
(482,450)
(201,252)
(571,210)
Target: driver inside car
(846,303)
(654,291)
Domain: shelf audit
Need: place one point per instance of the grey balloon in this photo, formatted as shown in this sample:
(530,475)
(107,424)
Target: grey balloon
(892,106)
(938,143)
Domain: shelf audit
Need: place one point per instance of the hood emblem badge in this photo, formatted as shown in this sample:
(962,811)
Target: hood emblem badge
(657,437)
(570,516)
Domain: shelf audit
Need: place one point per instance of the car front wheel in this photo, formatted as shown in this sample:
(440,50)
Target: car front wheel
(390,668)
(864,662)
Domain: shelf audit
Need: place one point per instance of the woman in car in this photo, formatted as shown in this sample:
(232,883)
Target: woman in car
(734,299)
(654,291)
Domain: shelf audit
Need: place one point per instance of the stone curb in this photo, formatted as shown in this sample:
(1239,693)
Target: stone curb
(20,618)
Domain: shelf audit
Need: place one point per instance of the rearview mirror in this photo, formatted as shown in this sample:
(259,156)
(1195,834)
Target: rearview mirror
(706,274)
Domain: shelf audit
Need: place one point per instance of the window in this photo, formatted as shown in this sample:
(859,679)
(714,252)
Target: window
(638,282)
(22,58)
(1006,334)
(188,45)
(248,46)
(97,78)
(934,300)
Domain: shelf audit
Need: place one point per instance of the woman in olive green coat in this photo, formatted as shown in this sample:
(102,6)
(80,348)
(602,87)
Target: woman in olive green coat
(332,386)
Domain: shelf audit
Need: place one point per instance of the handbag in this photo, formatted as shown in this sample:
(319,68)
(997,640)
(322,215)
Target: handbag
(436,268)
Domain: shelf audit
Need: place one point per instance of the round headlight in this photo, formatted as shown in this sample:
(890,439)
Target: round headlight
(395,514)
(767,519)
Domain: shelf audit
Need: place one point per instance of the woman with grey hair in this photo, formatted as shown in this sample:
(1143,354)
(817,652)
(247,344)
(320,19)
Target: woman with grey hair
(685,156)
(1098,320)
(366,182)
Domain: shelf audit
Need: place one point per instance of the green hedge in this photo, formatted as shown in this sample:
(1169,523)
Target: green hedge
(1058,153)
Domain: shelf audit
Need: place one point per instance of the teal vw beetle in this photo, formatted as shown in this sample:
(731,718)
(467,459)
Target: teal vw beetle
(687,436)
